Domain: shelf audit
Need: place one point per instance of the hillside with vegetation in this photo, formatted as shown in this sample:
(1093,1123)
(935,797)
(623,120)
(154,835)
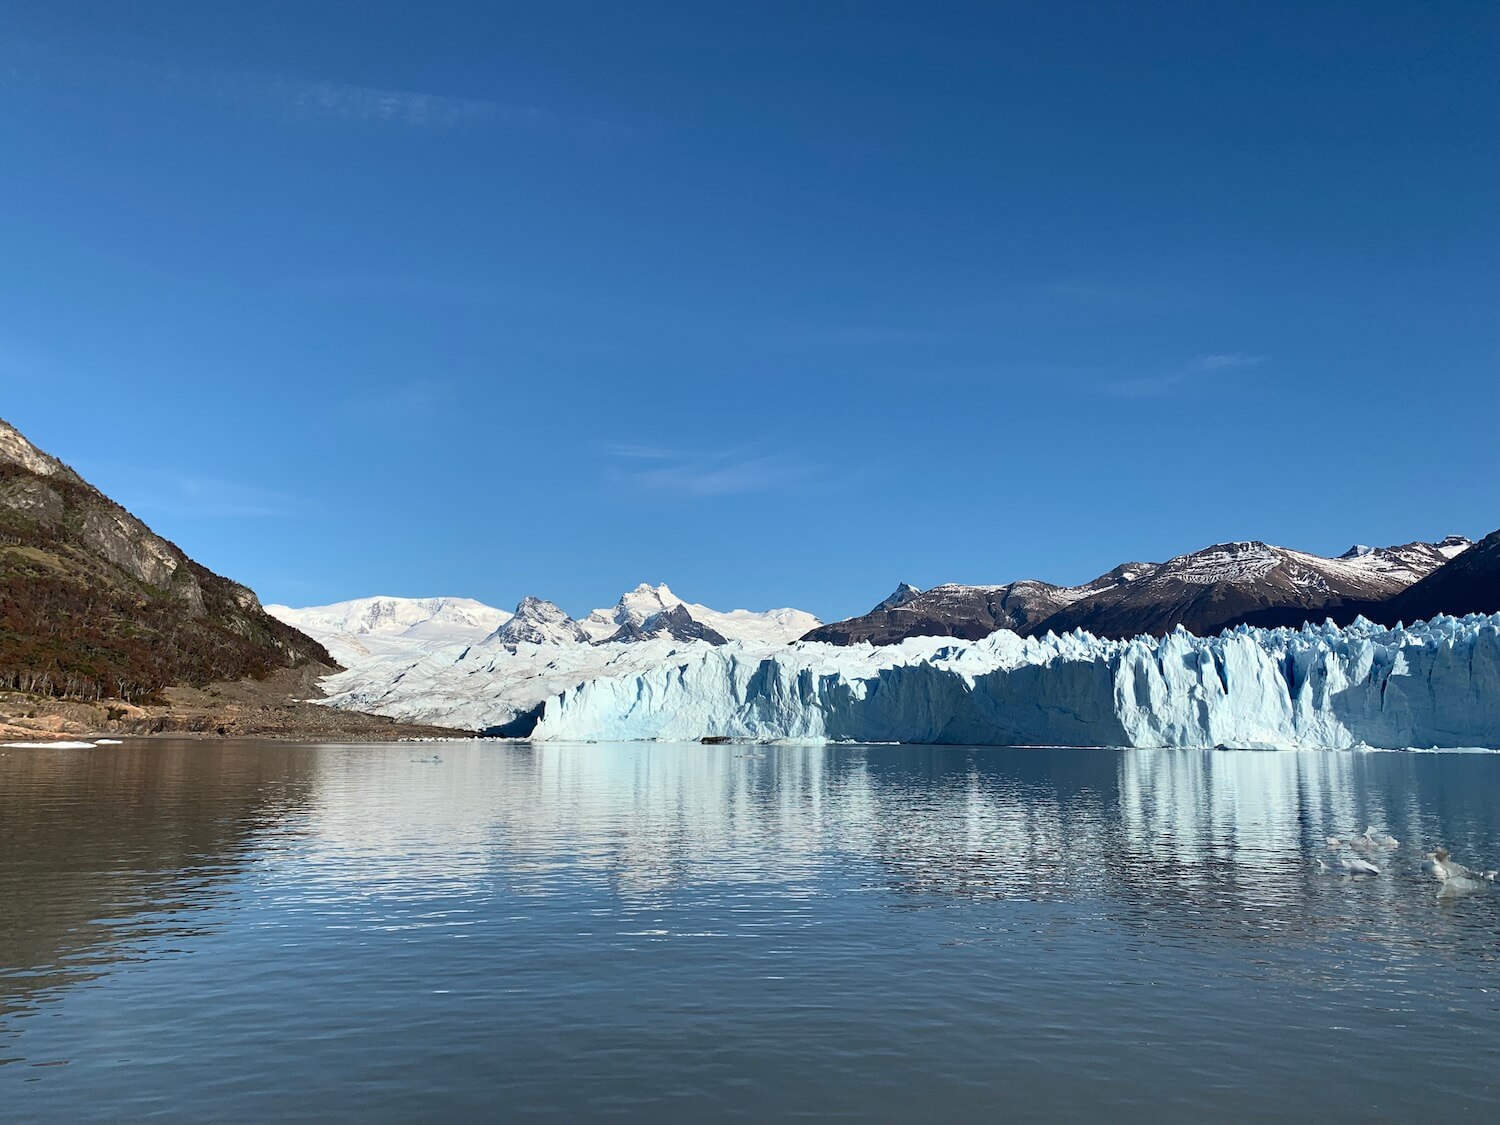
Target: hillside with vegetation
(94,605)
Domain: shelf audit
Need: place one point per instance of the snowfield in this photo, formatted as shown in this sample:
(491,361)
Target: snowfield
(366,629)
(473,667)
(1429,684)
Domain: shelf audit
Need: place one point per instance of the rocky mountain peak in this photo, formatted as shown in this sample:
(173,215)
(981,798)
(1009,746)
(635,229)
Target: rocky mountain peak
(15,449)
(903,593)
(676,622)
(537,621)
(1452,546)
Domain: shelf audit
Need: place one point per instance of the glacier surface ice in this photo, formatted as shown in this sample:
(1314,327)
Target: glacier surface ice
(391,628)
(455,662)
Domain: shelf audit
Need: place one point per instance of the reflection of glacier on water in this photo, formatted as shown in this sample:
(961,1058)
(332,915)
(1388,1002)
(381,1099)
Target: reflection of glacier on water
(1231,835)
(645,817)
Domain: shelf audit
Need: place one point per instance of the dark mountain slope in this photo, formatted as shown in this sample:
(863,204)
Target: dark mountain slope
(93,604)
(1205,591)
(1229,583)
(968,612)
(1468,583)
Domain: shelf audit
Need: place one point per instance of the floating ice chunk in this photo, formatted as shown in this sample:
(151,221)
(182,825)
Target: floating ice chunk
(1347,865)
(1456,879)
(56,744)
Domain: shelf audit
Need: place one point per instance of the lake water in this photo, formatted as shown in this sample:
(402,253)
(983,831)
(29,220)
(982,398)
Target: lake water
(241,931)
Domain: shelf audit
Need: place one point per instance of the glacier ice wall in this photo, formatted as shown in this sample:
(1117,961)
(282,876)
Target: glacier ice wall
(1432,684)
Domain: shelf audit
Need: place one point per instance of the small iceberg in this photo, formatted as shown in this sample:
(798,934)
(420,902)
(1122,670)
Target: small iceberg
(1368,842)
(1347,865)
(56,744)
(1456,879)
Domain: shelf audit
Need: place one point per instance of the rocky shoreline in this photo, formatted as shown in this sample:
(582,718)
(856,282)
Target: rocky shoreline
(279,707)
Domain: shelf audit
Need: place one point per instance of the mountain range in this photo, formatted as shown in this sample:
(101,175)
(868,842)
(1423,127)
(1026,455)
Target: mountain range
(1203,591)
(390,626)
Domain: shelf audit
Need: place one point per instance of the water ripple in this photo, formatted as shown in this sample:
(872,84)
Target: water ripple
(668,933)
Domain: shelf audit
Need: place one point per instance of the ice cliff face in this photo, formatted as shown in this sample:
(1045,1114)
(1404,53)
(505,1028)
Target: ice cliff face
(1433,684)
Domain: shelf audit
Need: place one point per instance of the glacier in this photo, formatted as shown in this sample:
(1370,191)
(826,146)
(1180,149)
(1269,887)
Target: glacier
(1433,683)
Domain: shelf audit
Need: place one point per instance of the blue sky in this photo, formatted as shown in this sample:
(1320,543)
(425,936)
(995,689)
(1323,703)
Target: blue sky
(778,303)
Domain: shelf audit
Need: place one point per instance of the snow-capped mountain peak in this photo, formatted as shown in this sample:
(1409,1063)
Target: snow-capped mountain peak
(1405,563)
(903,593)
(537,621)
(676,623)
(386,627)
(1453,545)
(654,611)
(645,601)
(631,611)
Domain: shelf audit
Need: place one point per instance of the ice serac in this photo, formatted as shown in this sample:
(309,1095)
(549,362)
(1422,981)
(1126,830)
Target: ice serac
(1433,684)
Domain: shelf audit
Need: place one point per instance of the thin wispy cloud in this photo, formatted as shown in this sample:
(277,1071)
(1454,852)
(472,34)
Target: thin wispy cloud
(1221,361)
(697,473)
(406,404)
(153,492)
(642,452)
(305,99)
(403,287)
(1211,368)
(286,96)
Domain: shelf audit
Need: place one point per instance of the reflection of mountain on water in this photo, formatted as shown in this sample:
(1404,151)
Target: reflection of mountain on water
(110,855)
